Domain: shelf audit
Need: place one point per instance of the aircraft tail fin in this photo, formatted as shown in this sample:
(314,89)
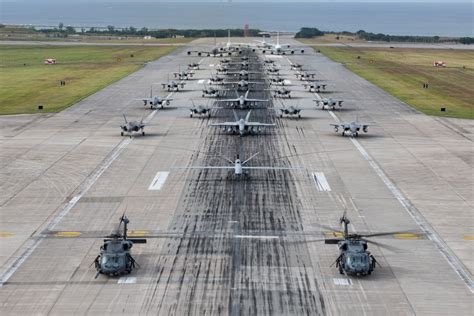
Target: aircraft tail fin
(235,115)
(248,116)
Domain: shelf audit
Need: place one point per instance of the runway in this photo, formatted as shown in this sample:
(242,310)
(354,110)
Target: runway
(238,246)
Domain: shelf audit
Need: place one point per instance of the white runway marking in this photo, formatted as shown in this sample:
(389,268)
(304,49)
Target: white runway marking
(201,81)
(286,81)
(211,65)
(255,237)
(273,56)
(159,180)
(339,281)
(321,182)
(127,280)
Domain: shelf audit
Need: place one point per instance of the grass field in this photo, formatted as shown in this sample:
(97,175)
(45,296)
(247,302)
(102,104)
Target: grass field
(402,72)
(25,82)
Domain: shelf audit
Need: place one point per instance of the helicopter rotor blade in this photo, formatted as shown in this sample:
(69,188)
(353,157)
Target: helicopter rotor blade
(332,241)
(417,233)
(382,245)
(137,240)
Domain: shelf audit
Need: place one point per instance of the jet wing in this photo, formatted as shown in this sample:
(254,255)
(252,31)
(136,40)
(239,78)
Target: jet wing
(269,168)
(259,124)
(225,124)
(256,100)
(205,167)
(145,99)
(228,100)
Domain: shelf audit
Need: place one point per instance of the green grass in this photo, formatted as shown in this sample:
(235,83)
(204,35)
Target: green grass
(402,72)
(26,83)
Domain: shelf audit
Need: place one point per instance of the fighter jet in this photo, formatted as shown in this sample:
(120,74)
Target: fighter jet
(242,126)
(296,66)
(216,79)
(243,84)
(222,68)
(305,75)
(269,61)
(193,66)
(184,74)
(200,110)
(155,101)
(278,80)
(290,111)
(210,92)
(272,70)
(243,101)
(328,103)
(132,127)
(314,86)
(242,73)
(282,92)
(173,85)
(353,128)
(239,167)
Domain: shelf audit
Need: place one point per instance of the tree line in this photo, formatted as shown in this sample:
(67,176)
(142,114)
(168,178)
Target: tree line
(162,33)
(307,32)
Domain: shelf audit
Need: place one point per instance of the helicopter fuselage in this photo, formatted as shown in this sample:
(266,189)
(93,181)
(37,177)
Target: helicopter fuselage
(354,258)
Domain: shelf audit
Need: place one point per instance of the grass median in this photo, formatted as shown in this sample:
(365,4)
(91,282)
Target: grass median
(402,72)
(26,83)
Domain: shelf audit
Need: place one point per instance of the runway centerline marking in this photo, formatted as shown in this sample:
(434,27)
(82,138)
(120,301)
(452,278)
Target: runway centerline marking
(159,180)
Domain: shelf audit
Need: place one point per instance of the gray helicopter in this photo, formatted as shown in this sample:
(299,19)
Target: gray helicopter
(354,258)
(115,254)
(132,126)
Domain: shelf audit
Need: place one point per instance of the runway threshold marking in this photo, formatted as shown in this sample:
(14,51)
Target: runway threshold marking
(429,231)
(341,281)
(159,180)
(137,233)
(407,236)
(67,234)
(127,280)
(321,182)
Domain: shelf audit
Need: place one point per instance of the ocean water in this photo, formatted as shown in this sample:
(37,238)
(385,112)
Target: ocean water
(443,19)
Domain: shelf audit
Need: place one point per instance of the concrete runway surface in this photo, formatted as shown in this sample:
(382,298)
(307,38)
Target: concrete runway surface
(239,246)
